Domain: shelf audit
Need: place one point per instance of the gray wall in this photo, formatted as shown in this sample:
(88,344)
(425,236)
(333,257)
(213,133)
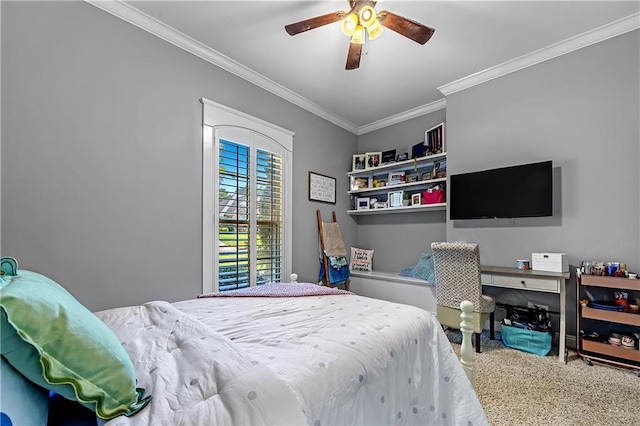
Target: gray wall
(580,110)
(399,239)
(101,155)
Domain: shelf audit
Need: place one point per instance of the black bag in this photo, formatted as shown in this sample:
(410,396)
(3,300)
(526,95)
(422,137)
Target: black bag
(535,318)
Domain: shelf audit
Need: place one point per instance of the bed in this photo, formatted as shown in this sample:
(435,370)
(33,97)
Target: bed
(324,357)
(277,354)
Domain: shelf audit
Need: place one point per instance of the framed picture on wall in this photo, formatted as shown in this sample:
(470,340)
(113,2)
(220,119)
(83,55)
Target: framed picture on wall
(322,188)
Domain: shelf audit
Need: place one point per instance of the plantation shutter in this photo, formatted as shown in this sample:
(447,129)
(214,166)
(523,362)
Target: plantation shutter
(246,200)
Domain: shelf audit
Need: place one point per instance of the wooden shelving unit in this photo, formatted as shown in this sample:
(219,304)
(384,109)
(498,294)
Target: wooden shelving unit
(589,317)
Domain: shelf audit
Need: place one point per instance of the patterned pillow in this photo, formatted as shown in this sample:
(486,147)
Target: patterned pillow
(21,402)
(361,259)
(58,344)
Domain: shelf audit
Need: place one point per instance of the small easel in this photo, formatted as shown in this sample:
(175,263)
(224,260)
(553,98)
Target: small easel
(325,258)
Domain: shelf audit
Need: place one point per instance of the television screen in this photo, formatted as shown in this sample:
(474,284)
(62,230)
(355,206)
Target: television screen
(518,191)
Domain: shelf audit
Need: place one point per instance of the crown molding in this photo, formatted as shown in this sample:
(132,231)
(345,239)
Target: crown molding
(147,23)
(597,35)
(403,116)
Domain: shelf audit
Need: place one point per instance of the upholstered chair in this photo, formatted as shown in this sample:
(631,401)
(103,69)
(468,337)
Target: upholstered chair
(457,271)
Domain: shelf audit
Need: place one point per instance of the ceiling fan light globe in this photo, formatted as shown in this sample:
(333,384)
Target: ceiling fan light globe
(375,30)
(367,16)
(349,24)
(358,35)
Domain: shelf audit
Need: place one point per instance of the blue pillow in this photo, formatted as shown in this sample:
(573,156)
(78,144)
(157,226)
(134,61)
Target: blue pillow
(58,344)
(21,402)
(424,270)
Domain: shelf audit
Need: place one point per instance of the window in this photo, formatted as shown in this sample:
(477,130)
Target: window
(246,200)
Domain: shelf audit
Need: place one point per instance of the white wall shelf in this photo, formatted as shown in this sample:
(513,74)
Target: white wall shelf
(405,209)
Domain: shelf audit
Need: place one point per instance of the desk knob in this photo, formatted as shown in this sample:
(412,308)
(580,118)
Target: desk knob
(522,282)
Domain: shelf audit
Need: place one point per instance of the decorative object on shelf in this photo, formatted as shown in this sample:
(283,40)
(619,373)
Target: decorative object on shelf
(522,264)
(434,140)
(395,199)
(358,162)
(403,157)
(361,259)
(434,195)
(360,182)
(373,159)
(322,188)
(362,203)
(406,199)
(389,157)
(380,205)
(412,177)
(428,175)
(415,199)
(418,150)
(396,178)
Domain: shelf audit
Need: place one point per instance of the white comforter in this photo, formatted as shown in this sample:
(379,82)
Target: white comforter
(318,360)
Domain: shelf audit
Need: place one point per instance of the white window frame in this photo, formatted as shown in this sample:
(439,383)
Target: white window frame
(222,122)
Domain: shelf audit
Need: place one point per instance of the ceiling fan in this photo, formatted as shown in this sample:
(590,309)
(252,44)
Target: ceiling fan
(360,20)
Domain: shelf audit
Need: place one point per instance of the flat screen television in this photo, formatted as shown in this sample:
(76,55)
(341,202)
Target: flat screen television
(524,190)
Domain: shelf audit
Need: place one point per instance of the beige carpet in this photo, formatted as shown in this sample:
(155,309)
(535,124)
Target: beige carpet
(517,388)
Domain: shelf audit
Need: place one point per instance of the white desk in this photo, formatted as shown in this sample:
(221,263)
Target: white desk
(549,282)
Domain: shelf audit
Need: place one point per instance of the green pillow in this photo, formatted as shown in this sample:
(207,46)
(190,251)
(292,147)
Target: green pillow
(57,343)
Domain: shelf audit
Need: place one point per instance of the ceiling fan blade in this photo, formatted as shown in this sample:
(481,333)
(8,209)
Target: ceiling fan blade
(353,57)
(406,27)
(311,23)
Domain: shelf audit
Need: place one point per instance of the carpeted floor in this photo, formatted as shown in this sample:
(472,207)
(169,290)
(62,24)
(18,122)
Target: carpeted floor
(517,388)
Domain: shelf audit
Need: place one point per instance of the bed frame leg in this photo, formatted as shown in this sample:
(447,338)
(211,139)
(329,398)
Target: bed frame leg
(466,349)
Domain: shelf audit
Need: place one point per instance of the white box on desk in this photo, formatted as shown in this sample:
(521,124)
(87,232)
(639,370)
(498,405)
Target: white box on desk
(551,262)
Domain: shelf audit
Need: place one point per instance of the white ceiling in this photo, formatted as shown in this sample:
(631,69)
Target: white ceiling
(396,75)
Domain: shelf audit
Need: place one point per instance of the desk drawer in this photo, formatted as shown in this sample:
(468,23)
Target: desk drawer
(526,283)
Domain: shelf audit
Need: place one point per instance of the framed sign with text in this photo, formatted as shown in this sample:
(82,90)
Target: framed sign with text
(322,188)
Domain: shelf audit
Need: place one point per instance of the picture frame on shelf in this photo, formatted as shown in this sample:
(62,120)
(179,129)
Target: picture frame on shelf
(415,199)
(440,169)
(362,203)
(358,162)
(389,156)
(395,178)
(434,140)
(394,199)
(360,182)
(373,159)
(412,177)
(428,175)
(418,150)
(403,156)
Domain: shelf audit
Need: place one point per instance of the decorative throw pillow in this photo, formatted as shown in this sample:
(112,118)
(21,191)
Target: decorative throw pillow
(424,270)
(58,344)
(361,259)
(21,402)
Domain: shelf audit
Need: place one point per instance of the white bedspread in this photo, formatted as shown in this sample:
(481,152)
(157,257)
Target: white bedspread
(319,360)
(196,375)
